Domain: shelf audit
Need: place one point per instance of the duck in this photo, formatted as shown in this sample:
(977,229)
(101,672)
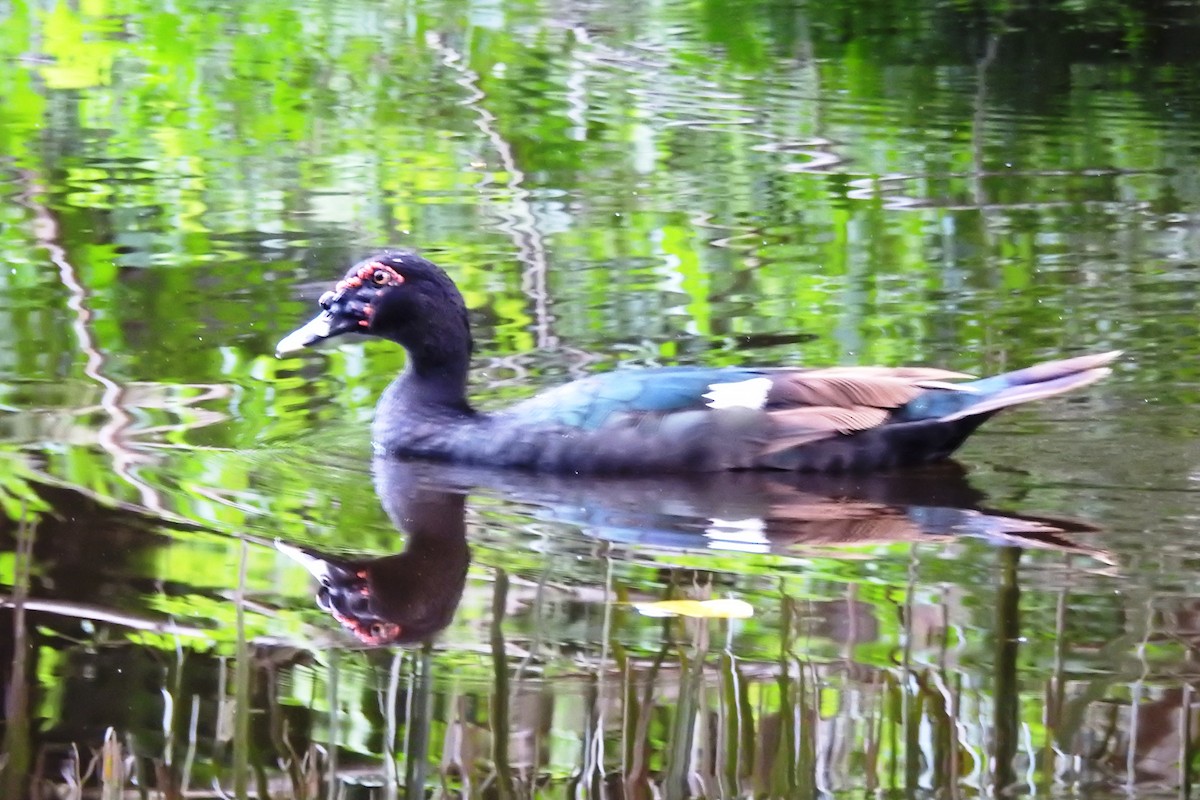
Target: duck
(657,420)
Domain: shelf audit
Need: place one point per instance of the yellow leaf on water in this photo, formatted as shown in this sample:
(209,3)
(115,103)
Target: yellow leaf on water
(727,608)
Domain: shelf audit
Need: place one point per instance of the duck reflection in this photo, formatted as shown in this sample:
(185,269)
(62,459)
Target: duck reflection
(407,597)
(410,596)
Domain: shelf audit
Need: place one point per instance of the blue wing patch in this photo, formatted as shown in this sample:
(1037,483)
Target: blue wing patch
(590,402)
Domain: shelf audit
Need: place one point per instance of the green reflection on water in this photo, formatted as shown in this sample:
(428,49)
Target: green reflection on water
(716,183)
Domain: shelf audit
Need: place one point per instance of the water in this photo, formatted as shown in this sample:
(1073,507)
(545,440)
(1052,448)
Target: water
(610,184)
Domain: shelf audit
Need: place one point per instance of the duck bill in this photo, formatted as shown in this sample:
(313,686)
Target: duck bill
(324,326)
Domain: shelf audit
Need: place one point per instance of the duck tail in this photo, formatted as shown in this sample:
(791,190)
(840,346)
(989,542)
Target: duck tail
(1034,383)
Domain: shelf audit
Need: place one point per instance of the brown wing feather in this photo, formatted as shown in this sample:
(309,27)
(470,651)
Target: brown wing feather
(907,373)
(797,426)
(823,390)
(807,406)
(880,387)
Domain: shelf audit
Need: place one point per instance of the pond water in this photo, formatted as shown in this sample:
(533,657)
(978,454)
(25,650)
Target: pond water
(612,184)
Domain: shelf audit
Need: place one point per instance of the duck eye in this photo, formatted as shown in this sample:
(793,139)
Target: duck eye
(380,277)
(326,300)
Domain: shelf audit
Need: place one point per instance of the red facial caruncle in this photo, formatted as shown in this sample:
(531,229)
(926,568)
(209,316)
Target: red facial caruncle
(373,274)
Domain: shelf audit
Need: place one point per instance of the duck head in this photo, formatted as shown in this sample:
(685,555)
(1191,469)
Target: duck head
(395,295)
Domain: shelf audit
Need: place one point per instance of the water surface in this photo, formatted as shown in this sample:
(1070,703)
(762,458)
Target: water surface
(611,184)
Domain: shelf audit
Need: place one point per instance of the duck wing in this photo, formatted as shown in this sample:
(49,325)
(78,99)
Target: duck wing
(830,419)
(800,405)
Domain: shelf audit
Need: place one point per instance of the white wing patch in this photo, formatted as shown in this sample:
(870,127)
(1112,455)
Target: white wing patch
(750,393)
(744,535)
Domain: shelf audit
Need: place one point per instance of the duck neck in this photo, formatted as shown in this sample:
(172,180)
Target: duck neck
(436,374)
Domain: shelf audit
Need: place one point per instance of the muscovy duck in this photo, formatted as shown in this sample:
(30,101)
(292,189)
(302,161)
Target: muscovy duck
(671,419)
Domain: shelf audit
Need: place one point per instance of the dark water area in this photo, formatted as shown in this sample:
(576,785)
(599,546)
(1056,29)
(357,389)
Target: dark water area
(210,589)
